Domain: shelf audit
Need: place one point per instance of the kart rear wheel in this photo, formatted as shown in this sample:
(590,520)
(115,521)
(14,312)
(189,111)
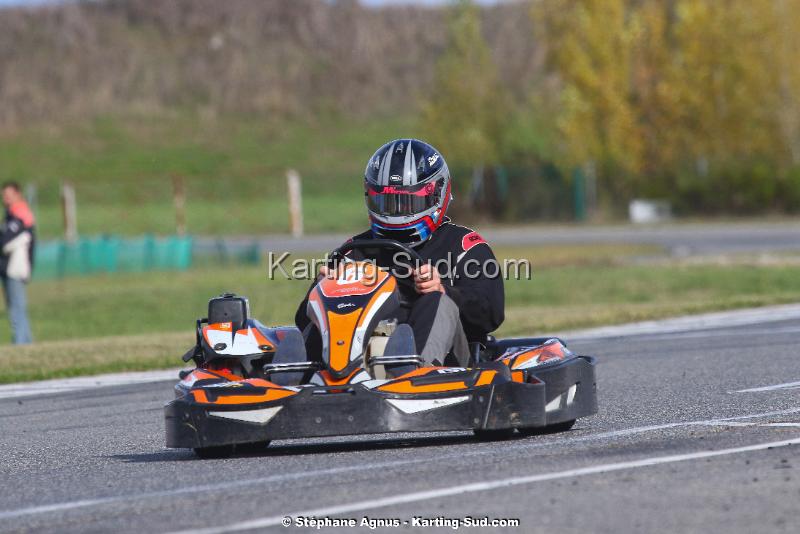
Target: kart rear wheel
(493,434)
(549,429)
(211,453)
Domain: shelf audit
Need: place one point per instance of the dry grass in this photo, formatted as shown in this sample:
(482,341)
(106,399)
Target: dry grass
(76,357)
(549,256)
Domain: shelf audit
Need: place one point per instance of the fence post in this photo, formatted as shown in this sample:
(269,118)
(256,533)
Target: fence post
(591,189)
(295,203)
(31,195)
(69,208)
(579,193)
(179,199)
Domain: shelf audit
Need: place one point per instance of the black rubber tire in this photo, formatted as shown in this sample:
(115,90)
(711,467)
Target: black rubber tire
(494,434)
(549,429)
(213,453)
(252,448)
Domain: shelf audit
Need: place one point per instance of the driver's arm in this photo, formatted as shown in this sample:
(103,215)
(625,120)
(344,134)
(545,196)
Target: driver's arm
(301,319)
(300,316)
(480,298)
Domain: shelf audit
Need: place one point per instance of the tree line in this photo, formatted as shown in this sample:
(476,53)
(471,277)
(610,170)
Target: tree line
(694,101)
(278,58)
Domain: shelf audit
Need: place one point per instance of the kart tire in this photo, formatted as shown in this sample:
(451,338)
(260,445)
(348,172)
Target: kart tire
(212,453)
(493,434)
(252,448)
(549,429)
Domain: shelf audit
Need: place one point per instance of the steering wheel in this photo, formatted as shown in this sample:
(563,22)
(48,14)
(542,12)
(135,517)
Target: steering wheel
(382,244)
(389,245)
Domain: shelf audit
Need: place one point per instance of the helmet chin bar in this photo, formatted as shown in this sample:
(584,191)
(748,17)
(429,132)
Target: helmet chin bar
(413,234)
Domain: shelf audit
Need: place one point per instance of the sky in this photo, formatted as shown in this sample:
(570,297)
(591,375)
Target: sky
(421,2)
(25,2)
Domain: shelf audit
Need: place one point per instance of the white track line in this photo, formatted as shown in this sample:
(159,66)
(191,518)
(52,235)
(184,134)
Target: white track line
(68,385)
(511,447)
(735,424)
(710,334)
(787,385)
(418,496)
(693,323)
(34,510)
(667,426)
(732,424)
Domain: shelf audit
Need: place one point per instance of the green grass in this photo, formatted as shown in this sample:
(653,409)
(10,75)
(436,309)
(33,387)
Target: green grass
(145,321)
(80,357)
(122,169)
(579,296)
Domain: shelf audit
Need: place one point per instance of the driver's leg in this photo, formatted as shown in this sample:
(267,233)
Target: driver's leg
(313,342)
(436,323)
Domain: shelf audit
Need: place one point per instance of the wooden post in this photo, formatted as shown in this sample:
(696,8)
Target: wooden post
(591,189)
(179,199)
(295,203)
(69,208)
(31,195)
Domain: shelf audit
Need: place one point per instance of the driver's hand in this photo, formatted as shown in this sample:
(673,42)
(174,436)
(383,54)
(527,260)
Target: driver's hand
(427,280)
(327,272)
(332,274)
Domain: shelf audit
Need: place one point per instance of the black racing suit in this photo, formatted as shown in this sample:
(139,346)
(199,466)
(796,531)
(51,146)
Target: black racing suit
(470,275)
(11,228)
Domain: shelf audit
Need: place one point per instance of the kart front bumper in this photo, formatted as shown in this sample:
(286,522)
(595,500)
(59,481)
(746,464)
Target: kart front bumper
(557,393)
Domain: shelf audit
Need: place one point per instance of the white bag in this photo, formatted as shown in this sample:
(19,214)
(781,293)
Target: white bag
(19,264)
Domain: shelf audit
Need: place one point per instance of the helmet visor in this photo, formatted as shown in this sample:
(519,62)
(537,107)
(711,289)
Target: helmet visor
(396,201)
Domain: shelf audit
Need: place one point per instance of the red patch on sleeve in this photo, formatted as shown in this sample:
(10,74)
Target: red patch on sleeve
(21,211)
(470,240)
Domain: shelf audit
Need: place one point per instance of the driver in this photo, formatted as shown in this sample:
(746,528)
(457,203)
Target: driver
(457,293)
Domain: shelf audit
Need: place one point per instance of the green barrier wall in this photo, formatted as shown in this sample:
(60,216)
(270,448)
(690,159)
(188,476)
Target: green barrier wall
(108,254)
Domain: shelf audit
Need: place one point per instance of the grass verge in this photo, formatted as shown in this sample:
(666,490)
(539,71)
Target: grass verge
(82,357)
(122,169)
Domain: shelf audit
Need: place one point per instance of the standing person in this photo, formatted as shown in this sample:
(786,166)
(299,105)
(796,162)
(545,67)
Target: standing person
(17,241)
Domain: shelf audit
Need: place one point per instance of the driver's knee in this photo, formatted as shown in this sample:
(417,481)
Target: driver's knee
(422,316)
(428,303)
(436,322)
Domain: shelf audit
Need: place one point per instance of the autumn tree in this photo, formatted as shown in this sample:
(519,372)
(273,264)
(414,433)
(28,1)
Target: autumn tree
(589,44)
(696,100)
(467,108)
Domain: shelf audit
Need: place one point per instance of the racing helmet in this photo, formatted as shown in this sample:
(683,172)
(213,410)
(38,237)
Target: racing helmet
(407,190)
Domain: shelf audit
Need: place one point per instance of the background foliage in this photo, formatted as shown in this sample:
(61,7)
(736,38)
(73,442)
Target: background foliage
(693,101)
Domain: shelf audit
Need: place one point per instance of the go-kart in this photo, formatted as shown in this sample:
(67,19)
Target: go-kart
(254,384)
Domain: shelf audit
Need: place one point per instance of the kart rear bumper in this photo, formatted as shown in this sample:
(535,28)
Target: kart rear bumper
(553,394)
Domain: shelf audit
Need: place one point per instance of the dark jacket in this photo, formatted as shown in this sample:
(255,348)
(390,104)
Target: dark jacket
(18,227)
(480,299)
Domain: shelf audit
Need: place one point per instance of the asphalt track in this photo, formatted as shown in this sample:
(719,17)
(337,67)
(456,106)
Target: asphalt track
(697,432)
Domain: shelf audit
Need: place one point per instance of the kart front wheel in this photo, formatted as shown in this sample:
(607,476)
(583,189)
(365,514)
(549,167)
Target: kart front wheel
(252,448)
(549,429)
(211,453)
(493,434)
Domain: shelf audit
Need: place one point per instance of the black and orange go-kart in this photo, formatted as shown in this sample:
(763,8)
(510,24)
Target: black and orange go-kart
(254,384)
